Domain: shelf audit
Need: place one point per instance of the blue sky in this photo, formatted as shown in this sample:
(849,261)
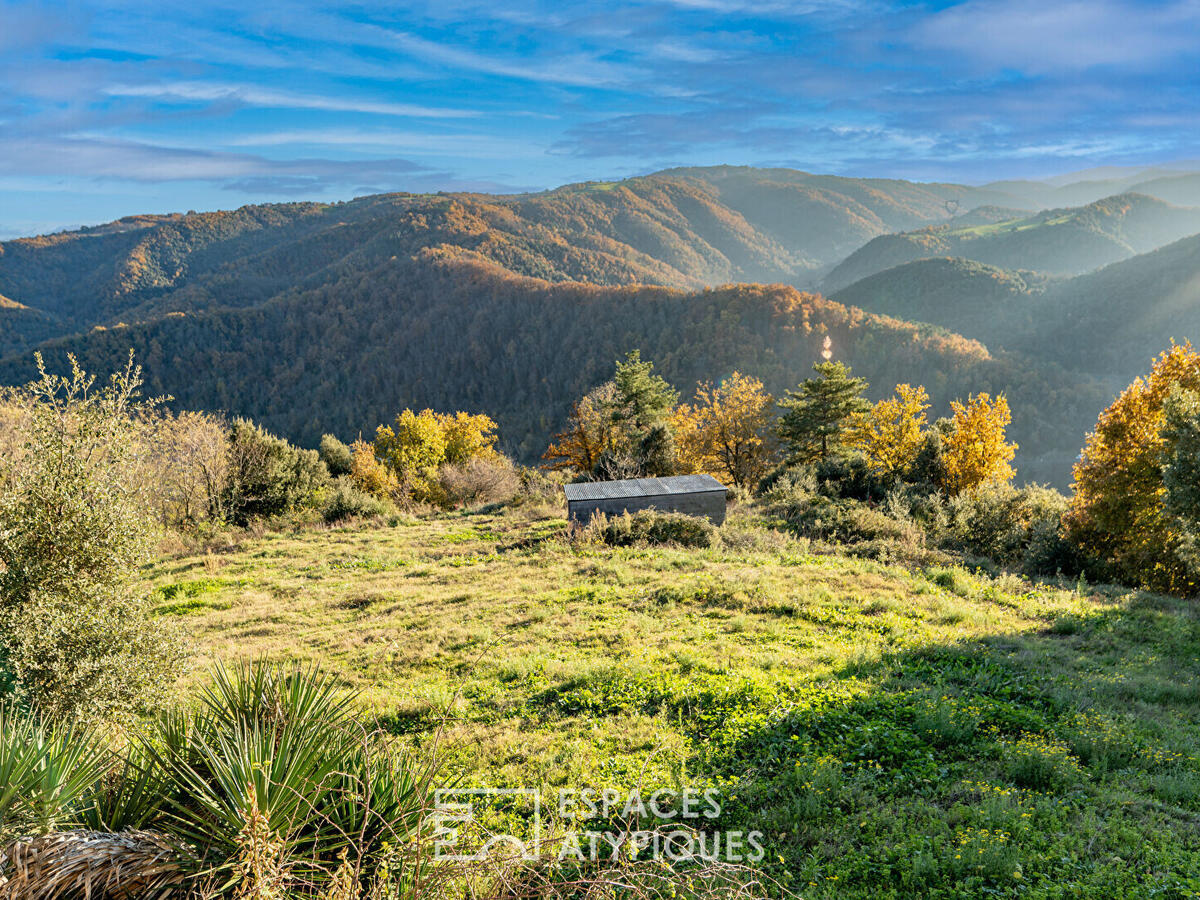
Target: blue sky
(125,107)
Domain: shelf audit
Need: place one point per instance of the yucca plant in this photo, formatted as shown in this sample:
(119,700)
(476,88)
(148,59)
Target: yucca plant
(129,796)
(272,781)
(253,772)
(270,694)
(47,774)
(267,789)
(378,805)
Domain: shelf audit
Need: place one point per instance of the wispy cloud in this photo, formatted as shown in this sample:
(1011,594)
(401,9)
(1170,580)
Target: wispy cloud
(580,69)
(117,106)
(482,146)
(250,95)
(134,161)
(1037,37)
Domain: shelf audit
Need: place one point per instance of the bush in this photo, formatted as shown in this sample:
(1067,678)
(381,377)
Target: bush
(837,477)
(788,482)
(74,528)
(652,527)
(848,477)
(338,458)
(847,522)
(185,465)
(1017,527)
(481,479)
(537,486)
(346,501)
(267,475)
(928,469)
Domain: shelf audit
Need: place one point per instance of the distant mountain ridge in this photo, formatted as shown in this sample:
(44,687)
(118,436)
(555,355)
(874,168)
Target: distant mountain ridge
(1106,324)
(686,228)
(1057,241)
(1180,186)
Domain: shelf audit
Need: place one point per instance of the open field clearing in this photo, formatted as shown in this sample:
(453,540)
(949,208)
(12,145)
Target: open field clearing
(891,732)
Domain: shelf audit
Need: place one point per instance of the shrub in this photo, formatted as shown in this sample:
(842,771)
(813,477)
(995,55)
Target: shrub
(652,527)
(837,476)
(1019,527)
(185,465)
(74,528)
(338,458)
(540,487)
(788,482)
(346,501)
(928,469)
(370,475)
(848,477)
(481,479)
(267,475)
(847,522)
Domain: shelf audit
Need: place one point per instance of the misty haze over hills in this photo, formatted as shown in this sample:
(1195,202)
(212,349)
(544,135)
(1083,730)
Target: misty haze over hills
(1057,292)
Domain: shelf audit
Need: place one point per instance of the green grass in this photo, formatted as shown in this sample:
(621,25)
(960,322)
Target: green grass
(1009,226)
(893,733)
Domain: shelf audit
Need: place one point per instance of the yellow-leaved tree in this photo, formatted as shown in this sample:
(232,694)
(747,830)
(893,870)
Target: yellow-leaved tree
(416,445)
(369,474)
(976,451)
(1117,514)
(726,432)
(890,434)
(467,436)
(413,447)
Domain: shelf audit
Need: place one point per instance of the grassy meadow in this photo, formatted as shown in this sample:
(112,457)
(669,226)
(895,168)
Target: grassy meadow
(892,732)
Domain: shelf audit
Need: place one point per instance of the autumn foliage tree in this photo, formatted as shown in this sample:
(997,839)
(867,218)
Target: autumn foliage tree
(891,434)
(369,474)
(621,429)
(589,435)
(976,449)
(467,436)
(416,445)
(1119,514)
(727,431)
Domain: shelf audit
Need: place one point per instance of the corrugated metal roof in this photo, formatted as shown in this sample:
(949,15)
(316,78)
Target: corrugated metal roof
(642,487)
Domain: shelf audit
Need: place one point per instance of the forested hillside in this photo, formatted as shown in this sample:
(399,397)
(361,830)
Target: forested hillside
(687,228)
(1110,321)
(990,304)
(1057,241)
(318,317)
(451,330)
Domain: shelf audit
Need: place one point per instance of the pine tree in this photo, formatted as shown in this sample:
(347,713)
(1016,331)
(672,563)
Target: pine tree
(643,398)
(622,428)
(817,415)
